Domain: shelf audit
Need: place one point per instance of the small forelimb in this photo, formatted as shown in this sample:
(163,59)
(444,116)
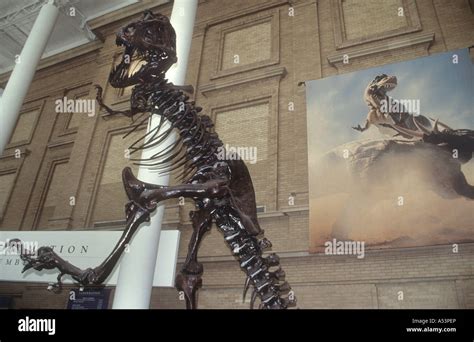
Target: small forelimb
(362,129)
(110,111)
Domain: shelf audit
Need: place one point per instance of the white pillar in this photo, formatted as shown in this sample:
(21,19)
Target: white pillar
(135,279)
(22,75)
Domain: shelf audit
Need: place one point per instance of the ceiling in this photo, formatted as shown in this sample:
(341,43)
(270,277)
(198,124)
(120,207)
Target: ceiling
(17,18)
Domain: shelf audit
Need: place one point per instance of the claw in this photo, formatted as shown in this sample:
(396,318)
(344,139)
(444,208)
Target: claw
(27,267)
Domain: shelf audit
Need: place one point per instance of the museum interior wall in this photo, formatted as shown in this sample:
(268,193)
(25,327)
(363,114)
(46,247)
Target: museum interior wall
(249,60)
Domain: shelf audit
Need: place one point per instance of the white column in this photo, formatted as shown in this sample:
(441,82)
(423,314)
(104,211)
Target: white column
(22,75)
(135,279)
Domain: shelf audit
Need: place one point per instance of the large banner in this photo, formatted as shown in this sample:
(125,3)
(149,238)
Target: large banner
(390,154)
(83,249)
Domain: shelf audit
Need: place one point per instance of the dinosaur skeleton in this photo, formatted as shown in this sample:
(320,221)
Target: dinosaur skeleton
(222,190)
(375,95)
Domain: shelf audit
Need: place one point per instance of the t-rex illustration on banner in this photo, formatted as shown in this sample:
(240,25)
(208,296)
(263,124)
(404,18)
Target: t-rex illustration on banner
(405,177)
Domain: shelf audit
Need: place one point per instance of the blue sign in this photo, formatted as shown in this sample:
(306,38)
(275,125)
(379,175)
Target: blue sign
(88,299)
(6,302)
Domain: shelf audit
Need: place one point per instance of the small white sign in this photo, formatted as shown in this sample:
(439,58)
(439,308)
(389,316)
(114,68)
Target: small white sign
(83,249)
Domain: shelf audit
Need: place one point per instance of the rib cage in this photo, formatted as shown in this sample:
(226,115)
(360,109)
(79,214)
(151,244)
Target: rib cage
(195,145)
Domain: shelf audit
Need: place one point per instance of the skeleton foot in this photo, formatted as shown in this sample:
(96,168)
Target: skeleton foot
(47,259)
